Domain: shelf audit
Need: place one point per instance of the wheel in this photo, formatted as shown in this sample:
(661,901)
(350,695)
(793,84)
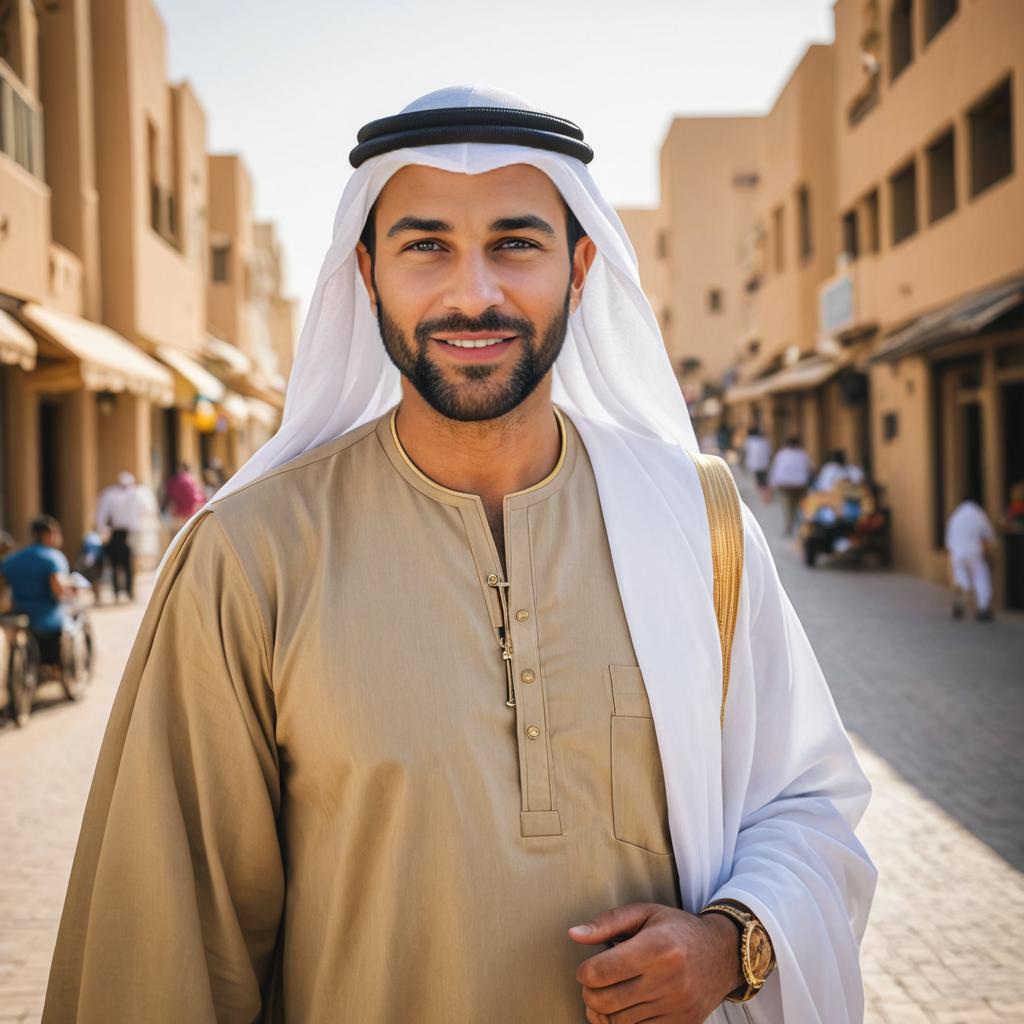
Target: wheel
(24,677)
(75,664)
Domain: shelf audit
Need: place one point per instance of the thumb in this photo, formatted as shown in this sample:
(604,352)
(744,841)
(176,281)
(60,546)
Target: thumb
(618,922)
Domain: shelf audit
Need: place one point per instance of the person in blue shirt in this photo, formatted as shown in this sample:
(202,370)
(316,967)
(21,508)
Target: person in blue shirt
(38,578)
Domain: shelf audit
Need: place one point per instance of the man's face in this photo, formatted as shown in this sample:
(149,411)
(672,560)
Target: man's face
(473,284)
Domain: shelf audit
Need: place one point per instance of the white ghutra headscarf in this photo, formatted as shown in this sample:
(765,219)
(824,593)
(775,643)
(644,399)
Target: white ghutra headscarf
(761,811)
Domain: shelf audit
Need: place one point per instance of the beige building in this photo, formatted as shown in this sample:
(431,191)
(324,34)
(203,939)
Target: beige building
(930,202)
(708,180)
(106,359)
(882,259)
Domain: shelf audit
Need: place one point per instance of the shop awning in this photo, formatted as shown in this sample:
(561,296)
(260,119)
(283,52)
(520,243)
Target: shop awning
(803,376)
(107,362)
(236,408)
(963,318)
(263,412)
(201,381)
(17,346)
(230,356)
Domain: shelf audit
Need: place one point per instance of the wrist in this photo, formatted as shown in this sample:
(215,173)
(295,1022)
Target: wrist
(725,937)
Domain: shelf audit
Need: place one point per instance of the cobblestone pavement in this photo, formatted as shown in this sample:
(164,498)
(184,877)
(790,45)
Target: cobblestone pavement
(936,709)
(937,713)
(45,771)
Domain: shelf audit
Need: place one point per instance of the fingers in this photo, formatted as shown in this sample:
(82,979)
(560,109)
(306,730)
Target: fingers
(614,923)
(614,998)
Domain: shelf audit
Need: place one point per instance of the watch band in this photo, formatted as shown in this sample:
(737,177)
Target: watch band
(746,920)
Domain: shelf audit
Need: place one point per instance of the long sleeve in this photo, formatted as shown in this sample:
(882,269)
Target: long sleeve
(798,793)
(177,888)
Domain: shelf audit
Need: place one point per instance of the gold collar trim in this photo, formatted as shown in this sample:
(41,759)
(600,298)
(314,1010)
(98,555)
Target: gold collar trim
(463,494)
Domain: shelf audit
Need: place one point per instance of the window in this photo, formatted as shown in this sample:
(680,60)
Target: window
(778,231)
(901,37)
(152,160)
(662,245)
(220,256)
(991,127)
(890,426)
(872,234)
(850,237)
(941,178)
(803,208)
(903,187)
(714,300)
(936,14)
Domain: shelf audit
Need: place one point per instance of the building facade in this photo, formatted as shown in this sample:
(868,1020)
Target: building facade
(106,356)
(881,263)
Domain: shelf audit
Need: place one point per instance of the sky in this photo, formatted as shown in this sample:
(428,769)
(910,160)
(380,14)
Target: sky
(287,85)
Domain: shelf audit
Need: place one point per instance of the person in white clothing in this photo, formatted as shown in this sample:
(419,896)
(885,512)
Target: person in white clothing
(790,474)
(120,511)
(757,457)
(969,534)
(836,470)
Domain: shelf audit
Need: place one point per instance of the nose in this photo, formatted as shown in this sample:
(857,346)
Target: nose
(474,286)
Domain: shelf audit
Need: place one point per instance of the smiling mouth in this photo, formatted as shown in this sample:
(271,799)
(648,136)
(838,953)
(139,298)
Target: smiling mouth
(474,342)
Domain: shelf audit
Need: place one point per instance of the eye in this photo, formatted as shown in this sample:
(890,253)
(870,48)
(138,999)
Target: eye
(517,244)
(424,245)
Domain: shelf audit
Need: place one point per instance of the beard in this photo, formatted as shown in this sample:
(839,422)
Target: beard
(473,393)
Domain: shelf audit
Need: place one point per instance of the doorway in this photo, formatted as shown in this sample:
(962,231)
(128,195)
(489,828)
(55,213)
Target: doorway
(1012,403)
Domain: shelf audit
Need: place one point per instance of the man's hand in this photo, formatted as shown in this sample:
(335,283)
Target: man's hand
(668,966)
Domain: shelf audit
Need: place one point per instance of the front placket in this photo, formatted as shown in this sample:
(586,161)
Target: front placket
(539,816)
(511,610)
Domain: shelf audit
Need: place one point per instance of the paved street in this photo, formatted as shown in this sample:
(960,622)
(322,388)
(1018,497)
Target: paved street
(937,709)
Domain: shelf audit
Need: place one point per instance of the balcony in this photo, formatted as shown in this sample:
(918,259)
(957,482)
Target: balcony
(24,195)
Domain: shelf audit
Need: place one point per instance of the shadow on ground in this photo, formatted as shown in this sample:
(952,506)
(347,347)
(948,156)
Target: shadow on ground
(941,701)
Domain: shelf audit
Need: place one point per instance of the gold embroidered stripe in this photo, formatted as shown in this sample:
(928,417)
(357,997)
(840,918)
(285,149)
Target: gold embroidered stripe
(725,523)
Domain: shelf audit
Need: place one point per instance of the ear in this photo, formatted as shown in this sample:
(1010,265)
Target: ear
(365,261)
(582,260)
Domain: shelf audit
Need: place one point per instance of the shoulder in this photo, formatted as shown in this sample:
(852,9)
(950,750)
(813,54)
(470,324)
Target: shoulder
(302,468)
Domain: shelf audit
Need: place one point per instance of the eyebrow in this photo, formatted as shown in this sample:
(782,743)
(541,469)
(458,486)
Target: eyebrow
(417,224)
(523,222)
(527,220)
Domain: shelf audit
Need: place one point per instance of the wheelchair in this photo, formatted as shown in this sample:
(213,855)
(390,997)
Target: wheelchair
(67,658)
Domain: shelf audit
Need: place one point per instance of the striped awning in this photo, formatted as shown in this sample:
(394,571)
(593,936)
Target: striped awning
(107,361)
(17,346)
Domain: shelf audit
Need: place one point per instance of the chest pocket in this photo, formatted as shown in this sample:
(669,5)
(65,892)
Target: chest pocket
(639,807)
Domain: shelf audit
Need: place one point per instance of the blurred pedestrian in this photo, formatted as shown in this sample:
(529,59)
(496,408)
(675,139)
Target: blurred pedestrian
(790,474)
(119,514)
(969,537)
(39,578)
(183,497)
(757,457)
(837,470)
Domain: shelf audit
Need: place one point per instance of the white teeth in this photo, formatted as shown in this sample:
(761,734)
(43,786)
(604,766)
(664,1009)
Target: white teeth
(481,343)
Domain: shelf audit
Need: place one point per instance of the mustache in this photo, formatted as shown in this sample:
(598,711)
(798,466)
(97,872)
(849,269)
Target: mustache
(491,320)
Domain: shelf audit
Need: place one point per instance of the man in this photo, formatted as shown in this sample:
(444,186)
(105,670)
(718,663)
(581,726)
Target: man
(837,470)
(790,474)
(425,722)
(38,577)
(183,496)
(119,514)
(757,453)
(969,536)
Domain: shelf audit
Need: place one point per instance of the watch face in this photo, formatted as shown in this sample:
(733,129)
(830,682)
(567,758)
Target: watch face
(758,953)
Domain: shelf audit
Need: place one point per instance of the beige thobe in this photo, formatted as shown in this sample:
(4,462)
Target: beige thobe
(313,802)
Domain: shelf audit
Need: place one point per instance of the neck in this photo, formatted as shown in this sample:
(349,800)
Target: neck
(490,458)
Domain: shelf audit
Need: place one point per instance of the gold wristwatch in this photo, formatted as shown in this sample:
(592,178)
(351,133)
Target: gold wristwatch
(756,953)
